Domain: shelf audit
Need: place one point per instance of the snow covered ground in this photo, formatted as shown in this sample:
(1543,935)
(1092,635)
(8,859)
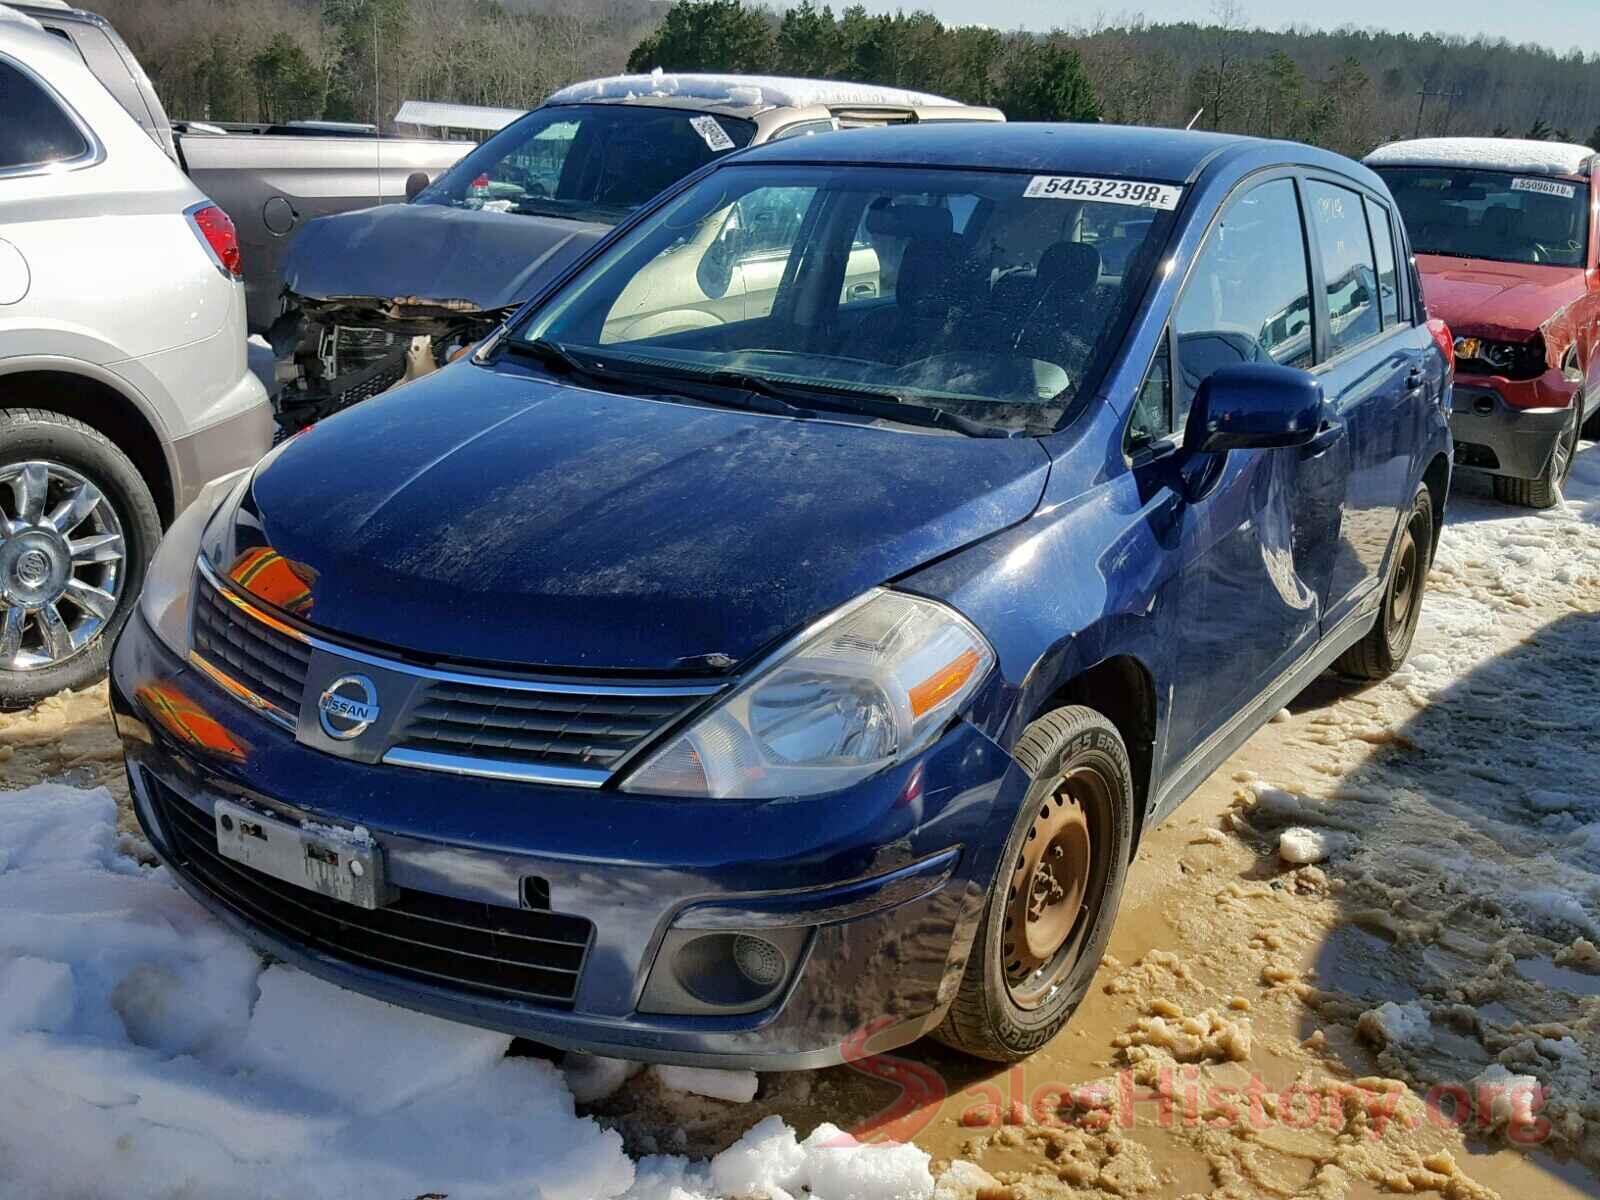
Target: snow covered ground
(1454,815)
(147,1052)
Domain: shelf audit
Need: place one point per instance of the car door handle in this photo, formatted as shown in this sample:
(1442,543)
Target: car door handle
(1326,435)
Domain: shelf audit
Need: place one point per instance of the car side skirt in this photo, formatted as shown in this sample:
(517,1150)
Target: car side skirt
(1214,751)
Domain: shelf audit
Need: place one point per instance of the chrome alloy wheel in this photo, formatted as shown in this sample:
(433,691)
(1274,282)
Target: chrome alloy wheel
(61,564)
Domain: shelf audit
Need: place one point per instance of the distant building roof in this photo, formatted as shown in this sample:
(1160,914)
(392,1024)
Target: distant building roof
(1485,154)
(456,116)
(753,92)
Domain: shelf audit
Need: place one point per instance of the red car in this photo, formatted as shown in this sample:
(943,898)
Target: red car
(1508,247)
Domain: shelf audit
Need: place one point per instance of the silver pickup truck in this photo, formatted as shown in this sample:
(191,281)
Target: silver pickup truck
(269,178)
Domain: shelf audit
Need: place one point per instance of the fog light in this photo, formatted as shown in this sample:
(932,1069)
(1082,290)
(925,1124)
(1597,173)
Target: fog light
(722,972)
(759,960)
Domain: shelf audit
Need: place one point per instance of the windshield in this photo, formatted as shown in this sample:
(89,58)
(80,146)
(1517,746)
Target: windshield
(1531,219)
(992,297)
(588,162)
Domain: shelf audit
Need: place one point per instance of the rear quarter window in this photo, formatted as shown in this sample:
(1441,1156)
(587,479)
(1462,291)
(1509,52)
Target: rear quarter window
(36,131)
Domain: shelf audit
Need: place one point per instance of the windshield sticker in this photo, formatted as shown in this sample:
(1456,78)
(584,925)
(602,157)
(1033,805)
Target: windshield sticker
(1104,191)
(1545,187)
(714,134)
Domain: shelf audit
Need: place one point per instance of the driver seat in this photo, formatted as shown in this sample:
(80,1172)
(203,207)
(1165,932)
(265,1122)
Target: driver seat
(935,290)
(1068,301)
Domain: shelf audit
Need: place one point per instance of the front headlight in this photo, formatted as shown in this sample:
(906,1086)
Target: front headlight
(868,687)
(169,583)
(1515,360)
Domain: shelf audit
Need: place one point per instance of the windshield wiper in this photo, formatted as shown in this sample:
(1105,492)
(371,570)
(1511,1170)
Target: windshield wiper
(557,356)
(802,401)
(841,398)
(554,354)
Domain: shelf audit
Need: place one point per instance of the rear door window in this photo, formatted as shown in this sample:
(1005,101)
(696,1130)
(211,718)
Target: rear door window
(1349,268)
(36,131)
(1388,268)
(1248,298)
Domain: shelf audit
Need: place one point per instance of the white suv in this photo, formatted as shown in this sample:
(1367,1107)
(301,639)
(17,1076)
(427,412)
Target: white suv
(123,385)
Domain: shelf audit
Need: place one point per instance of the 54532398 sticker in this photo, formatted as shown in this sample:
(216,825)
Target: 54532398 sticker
(1104,191)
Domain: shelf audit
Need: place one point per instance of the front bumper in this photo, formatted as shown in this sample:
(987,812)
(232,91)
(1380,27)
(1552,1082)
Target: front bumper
(1509,427)
(888,879)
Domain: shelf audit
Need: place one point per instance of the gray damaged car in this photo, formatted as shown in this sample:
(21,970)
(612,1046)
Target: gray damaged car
(377,296)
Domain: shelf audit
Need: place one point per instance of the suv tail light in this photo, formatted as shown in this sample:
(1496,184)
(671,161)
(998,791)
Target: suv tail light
(1447,344)
(215,230)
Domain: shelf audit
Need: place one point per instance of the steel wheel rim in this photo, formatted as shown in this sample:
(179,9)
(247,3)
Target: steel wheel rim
(61,564)
(1403,592)
(1055,886)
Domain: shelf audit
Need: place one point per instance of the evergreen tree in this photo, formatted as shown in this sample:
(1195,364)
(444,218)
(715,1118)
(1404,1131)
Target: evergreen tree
(811,43)
(1044,81)
(708,35)
(289,86)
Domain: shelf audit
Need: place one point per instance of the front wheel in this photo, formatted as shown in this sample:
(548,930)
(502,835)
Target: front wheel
(1054,897)
(77,528)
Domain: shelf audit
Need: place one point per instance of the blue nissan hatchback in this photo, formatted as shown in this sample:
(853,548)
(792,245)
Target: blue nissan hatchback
(771,644)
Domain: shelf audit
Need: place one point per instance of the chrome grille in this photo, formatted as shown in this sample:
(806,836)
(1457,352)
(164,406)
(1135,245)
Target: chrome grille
(522,727)
(250,653)
(518,953)
(568,732)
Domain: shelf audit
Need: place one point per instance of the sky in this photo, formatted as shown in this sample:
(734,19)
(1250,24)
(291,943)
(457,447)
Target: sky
(1560,24)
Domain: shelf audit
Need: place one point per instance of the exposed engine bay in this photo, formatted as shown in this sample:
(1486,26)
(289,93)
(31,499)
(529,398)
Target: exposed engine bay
(335,353)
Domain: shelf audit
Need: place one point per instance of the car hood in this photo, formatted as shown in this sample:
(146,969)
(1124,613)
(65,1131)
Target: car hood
(1502,301)
(492,516)
(429,254)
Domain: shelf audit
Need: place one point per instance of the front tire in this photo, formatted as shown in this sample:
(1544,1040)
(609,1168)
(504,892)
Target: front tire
(1379,654)
(77,529)
(1054,898)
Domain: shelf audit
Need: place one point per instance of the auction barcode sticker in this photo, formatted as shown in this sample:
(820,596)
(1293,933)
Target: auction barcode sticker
(1545,187)
(712,132)
(1104,191)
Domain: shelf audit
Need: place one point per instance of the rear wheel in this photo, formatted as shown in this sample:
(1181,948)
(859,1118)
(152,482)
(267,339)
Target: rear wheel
(77,528)
(1380,653)
(1055,894)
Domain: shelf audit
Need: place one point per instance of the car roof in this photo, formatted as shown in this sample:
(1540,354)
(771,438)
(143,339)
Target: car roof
(1486,154)
(1166,155)
(20,33)
(741,95)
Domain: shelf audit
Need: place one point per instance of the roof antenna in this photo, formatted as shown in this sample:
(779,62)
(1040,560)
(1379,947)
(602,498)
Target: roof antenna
(1194,118)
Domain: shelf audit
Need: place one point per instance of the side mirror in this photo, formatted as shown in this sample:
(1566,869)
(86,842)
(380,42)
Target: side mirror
(415,182)
(1254,406)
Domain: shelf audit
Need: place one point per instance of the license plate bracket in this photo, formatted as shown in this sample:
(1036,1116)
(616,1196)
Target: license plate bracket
(334,863)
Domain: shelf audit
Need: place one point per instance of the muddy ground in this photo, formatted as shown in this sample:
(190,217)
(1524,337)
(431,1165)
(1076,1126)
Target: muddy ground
(1449,932)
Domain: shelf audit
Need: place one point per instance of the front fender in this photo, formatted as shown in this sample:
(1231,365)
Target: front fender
(1050,612)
